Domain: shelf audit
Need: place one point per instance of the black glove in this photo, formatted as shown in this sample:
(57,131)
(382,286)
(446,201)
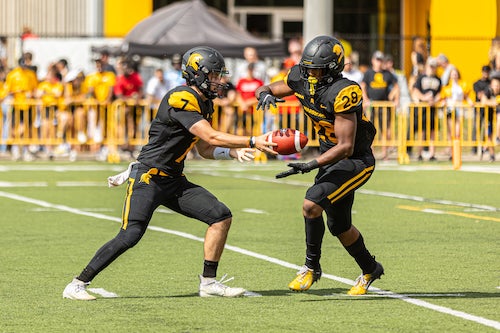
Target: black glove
(298,168)
(266,99)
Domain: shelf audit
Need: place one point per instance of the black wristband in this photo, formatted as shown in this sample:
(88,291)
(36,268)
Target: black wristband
(251,142)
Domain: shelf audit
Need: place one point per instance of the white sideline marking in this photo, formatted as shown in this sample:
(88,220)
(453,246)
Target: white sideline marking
(362,190)
(24,184)
(80,184)
(382,294)
(254,211)
(103,292)
(386,293)
(165,211)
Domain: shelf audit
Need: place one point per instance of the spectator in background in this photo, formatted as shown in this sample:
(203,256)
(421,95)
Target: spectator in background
(245,88)
(271,113)
(106,66)
(3,53)
(174,76)
(456,94)
(418,57)
(26,61)
(444,68)
(226,102)
(50,93)
(99,85)
(351,70)
(75,93)
(27,33)
(20,84)
(494,56)
(259,67)
(156,88)
(480,87)
(62,67)
(491,98)
(404,92)
(4,104)
(129,87)
(427,89)
(380,85)
(294,51)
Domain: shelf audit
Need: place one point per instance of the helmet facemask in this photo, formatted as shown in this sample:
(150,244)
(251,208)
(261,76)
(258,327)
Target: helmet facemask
(204,68)
(325,53)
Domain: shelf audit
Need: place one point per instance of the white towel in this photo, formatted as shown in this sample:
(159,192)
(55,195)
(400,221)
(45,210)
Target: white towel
(120,178)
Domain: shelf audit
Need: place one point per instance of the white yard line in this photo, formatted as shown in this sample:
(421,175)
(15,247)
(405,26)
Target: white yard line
(405,298)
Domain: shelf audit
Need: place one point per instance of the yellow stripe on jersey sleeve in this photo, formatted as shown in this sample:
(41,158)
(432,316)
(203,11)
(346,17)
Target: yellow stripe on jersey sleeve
(184,100)
(348,98)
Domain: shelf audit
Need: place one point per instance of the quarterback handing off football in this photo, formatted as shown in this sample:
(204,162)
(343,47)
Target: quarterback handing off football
(289,141)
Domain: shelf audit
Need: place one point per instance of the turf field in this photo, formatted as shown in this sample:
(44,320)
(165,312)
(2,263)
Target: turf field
(436,231)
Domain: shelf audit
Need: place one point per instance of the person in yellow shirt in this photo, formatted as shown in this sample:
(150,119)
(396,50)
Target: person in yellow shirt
(457,96)
(75,93)
(50,93)
(5,113)
(20,85)
(99,88)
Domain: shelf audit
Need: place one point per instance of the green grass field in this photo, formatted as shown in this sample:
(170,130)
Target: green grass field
(436,231)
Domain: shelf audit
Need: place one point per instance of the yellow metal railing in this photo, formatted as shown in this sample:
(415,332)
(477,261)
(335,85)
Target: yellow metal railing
(126,123)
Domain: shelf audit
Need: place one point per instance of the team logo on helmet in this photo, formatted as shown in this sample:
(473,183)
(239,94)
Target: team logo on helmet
(337,49)
(194,61)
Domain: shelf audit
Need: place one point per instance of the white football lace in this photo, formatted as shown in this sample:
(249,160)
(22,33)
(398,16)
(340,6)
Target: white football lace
(222,281)
(361,280)
(81,287)
(303,271)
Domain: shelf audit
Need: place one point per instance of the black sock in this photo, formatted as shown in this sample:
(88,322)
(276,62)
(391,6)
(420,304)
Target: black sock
(362,256)
(86,275)
(315,230)
(210,268)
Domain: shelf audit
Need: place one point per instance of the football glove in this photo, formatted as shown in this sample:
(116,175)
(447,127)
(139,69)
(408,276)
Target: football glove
(298,168)
(266,100)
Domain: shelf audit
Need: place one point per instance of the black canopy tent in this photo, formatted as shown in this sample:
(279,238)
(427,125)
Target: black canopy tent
(182,25)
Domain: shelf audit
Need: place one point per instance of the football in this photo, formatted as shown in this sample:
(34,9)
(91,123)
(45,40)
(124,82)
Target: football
(289,141)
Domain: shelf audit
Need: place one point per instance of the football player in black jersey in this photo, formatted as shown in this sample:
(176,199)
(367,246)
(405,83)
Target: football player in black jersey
(345,163)
(183,120)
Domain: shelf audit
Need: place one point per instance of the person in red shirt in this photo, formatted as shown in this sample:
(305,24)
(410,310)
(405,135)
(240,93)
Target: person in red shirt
(129,87)
(245,88)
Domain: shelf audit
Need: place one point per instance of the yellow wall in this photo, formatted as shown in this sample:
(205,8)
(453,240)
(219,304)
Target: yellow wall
(120,16)
(463,32)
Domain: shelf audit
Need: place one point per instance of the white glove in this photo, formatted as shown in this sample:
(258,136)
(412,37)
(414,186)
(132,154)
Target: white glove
(120,178)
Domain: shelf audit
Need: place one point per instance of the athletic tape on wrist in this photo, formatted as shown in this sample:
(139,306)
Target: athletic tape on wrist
(222,153)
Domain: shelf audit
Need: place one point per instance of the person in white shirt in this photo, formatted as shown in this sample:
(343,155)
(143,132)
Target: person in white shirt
(156,88)
(259,68)
(351,71)
(174,76)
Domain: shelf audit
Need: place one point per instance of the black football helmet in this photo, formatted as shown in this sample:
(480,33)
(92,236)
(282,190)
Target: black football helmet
(197,63)
(323,52)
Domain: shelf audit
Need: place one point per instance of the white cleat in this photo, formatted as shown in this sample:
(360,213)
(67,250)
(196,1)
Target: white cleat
(77,290)
(210,287)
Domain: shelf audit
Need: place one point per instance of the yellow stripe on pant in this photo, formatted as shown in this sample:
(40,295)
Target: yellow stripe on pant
(351,184)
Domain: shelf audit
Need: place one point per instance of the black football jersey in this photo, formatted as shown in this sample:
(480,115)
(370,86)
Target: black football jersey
(169,136)
(322,105)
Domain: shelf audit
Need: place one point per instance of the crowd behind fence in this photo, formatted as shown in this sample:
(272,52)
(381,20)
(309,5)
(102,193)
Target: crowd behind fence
(105,125)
